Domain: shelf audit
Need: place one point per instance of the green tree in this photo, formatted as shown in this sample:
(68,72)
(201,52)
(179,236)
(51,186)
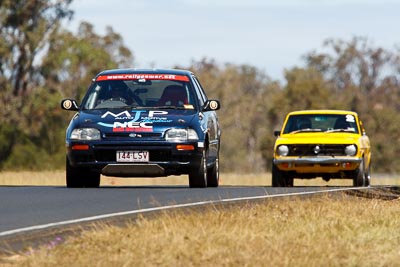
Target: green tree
(24,31)
(42,63)
(26,25)
(73,60)
(355,68)
(306,89)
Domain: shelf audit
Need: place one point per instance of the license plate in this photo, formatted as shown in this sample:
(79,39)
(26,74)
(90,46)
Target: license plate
(132,156)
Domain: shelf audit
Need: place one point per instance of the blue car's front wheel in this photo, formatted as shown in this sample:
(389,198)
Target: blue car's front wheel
(81,177)
(198,176)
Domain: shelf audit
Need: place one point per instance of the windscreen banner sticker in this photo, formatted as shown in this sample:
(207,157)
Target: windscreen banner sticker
(137,122)
(143,76)
(350,118)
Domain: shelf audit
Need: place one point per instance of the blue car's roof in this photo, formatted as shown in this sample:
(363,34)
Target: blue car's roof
(145,71)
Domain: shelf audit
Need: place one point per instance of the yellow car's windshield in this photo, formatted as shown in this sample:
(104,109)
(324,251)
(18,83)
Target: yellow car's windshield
(321,123)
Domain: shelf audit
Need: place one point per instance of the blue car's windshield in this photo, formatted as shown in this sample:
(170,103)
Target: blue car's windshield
(108,94)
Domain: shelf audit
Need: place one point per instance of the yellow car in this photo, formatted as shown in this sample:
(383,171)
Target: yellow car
(321,143)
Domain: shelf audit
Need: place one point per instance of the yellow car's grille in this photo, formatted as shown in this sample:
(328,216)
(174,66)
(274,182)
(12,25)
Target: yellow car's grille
(316,149)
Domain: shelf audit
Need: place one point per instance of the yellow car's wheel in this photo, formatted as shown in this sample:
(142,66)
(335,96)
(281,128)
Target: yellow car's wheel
(280,178)
(360,176)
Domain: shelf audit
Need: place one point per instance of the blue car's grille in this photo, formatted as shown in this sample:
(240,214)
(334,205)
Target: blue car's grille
(132,136)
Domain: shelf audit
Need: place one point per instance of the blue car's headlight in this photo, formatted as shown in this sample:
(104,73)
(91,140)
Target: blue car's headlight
(85,134)
(181,135)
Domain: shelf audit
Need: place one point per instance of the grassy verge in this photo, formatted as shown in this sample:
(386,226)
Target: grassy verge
(322,231)
(57,178)
(298,232)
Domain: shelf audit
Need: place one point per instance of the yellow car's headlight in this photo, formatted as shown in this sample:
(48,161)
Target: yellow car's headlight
(350,150)
(283,150)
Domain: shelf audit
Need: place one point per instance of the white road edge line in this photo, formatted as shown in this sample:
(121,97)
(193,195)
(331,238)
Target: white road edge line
(109,215)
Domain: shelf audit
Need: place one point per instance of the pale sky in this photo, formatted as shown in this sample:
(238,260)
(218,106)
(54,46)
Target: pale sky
(269,35)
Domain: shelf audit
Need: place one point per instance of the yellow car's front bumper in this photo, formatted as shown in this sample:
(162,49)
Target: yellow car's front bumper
(318,164)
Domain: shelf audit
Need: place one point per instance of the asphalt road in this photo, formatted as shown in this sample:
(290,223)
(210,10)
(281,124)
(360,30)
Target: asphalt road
(29,206)
(32,216)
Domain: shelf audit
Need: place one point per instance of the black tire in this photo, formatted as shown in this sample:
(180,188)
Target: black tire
(280,178)
(80,177)
(213,174)
(359,178)
(72,173)
(289,181)
(92,180)
(198,176)
(368,176)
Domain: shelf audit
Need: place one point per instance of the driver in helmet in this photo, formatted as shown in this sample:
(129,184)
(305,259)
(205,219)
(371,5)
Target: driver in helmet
(119,93)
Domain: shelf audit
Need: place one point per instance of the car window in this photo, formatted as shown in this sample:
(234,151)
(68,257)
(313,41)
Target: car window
(137,93)
(321,122)
(200,91)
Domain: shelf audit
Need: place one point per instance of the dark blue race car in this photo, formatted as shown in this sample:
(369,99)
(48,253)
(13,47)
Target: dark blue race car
(143,123)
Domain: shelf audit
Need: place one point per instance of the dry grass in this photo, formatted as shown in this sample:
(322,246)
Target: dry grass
(320,231)
(57,178)
(299,232)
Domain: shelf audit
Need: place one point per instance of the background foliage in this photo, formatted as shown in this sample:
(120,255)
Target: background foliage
(41,62)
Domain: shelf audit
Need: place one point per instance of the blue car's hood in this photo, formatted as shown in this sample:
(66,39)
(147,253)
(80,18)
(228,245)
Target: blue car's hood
(122,120)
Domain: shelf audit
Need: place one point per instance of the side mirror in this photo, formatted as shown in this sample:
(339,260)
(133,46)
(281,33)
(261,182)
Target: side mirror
(277,133)
(69,104)
(211,105)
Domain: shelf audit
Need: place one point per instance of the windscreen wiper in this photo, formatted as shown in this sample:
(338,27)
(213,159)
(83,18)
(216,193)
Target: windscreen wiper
(305,130)
(340,130)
